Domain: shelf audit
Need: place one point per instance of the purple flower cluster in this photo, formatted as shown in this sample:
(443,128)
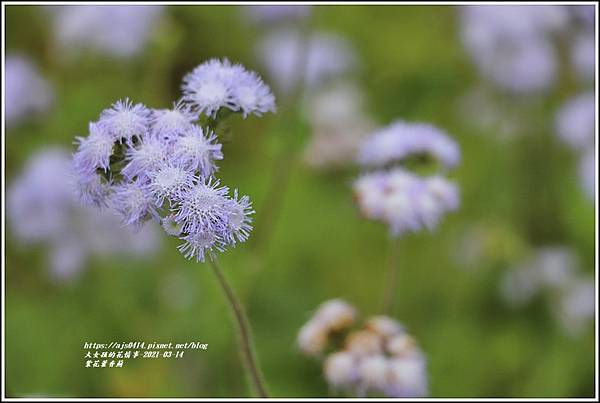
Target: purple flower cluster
(404,200)
(219,84)
(159,164)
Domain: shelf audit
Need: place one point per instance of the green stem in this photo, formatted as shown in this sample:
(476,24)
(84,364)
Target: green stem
(245,333)
(391,279)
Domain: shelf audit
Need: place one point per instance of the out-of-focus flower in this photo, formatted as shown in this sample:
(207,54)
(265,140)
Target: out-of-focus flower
(379,358)
(270,14)
(118,30)
(402,139)
(339,126)
(293,59)
(576,121)
(340,370)
(404,201)
(218,84)
(43,208)
(331,316)
(26,93)
(509,44)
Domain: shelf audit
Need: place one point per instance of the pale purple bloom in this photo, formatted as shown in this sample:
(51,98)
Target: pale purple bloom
(252,95)
(158,164)
(26,92)
(405,201)
(401,139)
(218,84)
(133,202)
(203,208)
(293,60)
(510,44)
(148,156)
(576,121)
(94,151)
(90,187)
(117,30)
(37,199)
(169,182)
(124,120)
(238,224)
(168,124)
(197,150)
(198,244)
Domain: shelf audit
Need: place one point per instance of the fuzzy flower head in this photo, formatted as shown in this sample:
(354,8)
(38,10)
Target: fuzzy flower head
(124,120)
(168,124)
(169,182)
(94,151)
(197,150)
(148,156)
(239,223)
(218,84)
(133,203)
(402,139)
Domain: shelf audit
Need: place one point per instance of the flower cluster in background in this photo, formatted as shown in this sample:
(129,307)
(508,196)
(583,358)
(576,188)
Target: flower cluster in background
(397,196)
(117,30)
(158,164)
(379,358)
(511,45)
(43,209)
(554,272)
(26,93)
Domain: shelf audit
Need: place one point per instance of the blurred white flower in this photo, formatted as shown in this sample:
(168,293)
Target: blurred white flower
(340,369)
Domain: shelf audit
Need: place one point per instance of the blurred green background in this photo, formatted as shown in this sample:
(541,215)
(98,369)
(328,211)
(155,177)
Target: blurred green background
(523,192)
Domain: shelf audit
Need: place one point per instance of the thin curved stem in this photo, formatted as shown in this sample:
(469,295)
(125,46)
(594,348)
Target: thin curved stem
(245,333)
(391,278)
